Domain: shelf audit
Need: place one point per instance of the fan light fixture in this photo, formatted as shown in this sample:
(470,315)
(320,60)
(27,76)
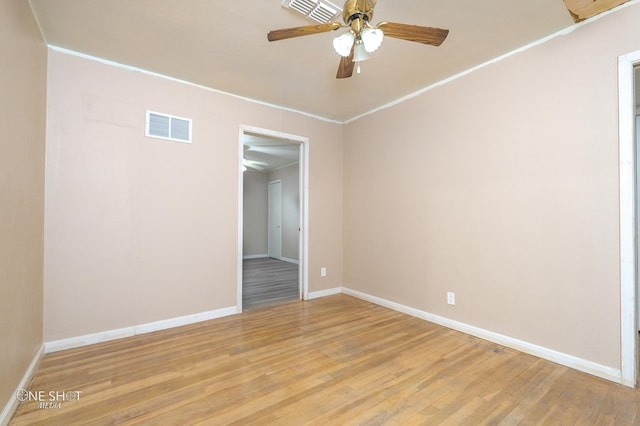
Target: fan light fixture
(368,41)
(371,38)
(343,43)
(360,52)
(362,37)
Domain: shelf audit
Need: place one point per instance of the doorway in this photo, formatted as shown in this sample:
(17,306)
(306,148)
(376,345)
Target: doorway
(272,212)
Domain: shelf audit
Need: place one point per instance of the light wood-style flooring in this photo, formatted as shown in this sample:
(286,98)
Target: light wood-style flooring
(332,361)
(267,281)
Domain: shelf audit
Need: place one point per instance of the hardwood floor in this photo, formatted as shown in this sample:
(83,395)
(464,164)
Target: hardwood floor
(335,360)
(267,281)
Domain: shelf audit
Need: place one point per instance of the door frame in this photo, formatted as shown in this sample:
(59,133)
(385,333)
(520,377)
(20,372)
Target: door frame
(269,217)
(303,241)
(628,220)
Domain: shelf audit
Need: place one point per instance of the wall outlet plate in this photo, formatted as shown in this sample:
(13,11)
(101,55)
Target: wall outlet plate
(451,298)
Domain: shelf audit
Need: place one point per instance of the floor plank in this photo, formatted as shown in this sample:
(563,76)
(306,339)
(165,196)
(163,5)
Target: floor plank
(267,281)
(334,360)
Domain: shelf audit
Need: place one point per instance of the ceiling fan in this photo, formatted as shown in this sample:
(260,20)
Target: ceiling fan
(260,154)
(253,164)
(362,38)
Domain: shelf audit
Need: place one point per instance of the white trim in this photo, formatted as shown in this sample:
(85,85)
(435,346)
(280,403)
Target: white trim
(627,172)
(166,77)
(324,293)
(240,243)
(11,406)
(561,358)
(264,256)
(255,256)
(105,336)
(303,248)
(303,245)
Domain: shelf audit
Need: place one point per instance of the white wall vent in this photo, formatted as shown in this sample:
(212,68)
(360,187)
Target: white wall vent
(169,127)
(317,10)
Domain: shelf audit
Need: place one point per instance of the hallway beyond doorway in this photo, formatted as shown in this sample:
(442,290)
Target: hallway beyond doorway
(267,281)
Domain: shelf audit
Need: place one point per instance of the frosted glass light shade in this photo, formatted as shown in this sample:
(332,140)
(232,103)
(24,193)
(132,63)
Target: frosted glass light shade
(343,43)
(372,38)
(359,52)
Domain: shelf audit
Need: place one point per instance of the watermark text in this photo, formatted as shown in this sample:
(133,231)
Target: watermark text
(48,399)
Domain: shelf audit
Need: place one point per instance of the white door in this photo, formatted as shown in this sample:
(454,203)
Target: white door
(275,220)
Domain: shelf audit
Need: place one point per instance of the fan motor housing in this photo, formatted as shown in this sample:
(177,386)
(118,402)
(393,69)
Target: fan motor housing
(351,10)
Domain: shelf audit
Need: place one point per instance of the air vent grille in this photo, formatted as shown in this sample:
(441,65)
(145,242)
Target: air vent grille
(317,10)
(169,127)
(323,13)
(303,6)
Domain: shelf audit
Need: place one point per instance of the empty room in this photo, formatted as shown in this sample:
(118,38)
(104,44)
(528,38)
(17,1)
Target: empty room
(319,212)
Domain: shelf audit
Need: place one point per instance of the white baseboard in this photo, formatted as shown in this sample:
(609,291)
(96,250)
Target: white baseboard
(90,339)
(323,293)
(255,256)
(12,404)
(264,256)
(599,370)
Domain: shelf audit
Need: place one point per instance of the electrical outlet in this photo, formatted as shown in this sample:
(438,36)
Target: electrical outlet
(323,272)
(451,298)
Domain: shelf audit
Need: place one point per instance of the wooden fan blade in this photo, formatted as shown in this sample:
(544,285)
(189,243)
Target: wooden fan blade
(256,165)
(345,69)
(426,35)
(285,33)
(273,148)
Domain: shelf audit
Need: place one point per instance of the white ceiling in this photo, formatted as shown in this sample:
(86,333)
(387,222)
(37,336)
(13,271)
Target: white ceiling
(222,44)
(270,153)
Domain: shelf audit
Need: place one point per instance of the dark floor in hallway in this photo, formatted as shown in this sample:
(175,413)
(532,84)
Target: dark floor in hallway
(267,281)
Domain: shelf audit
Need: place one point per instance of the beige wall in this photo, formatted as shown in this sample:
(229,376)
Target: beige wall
(255,215)
(501,186)
(290,213)
(140,229)
(22,149)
